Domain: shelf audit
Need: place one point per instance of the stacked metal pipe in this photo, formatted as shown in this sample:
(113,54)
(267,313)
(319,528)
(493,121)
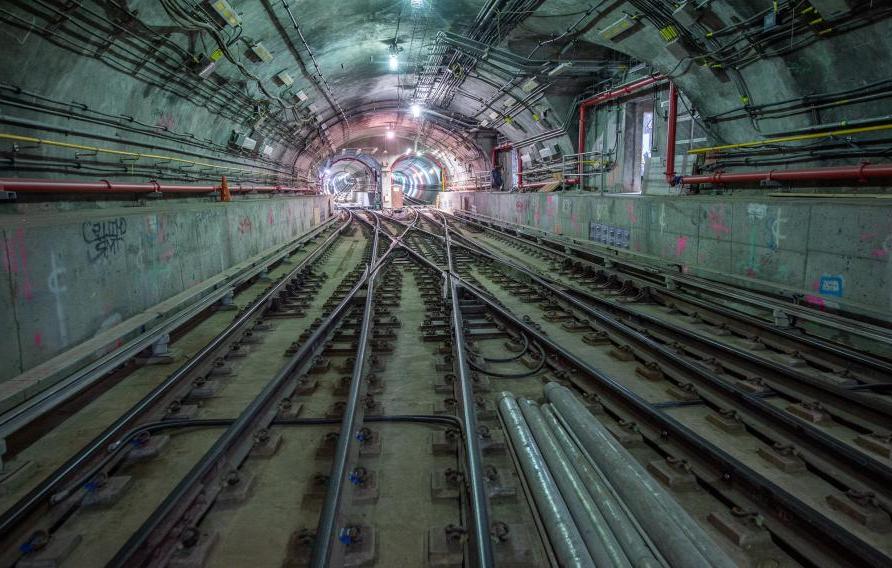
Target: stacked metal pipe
(598,505)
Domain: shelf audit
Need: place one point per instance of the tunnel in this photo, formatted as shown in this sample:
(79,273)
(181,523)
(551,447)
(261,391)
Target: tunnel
(445,283)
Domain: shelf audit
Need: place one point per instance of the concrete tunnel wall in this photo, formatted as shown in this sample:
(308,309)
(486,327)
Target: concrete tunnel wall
(836,253)
(70,274)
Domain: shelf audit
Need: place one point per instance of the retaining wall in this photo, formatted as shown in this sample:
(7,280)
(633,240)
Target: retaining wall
(833,251)
(68,275)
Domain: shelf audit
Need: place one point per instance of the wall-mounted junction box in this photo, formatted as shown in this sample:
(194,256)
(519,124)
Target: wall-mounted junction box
(831,7)
(225,11)
(242,140)
(261,52)
(301,96)
(284,78)
(529,85)
(267,151)
(617,28)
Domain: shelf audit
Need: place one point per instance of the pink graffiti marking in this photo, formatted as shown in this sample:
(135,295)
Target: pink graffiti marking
(245,225)
(681,244)
(270,218)
(16,261)
(868,236)
(38,339)
(630,210)
(716,218)
(879,253)
(167,255)
(816,301)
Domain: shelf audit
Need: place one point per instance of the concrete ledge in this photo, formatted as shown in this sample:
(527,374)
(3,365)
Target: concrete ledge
(161,318)
(830,253)
(72,276)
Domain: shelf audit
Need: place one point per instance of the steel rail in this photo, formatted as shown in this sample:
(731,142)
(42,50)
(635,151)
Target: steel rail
(835,349)
(230,448)
(350,424)
(882,410)
(37,496)
(22,414)
(477,487)
(785,507)
(323,552)
(857,465)
(862,329)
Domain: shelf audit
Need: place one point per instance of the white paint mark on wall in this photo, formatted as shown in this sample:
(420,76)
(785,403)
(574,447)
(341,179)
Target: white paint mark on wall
(756,211)
(57,288)
(662,217)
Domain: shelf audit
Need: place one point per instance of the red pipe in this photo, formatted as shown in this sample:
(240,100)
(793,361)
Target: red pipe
(862,173)
(627,89)
(671,134)
(496,149)
(519,172)
(105,186)
(505,148)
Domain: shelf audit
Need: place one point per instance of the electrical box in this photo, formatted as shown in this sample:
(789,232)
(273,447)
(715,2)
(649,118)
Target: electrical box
(261,52)
(831,7)
(267,151)
(493,115)
(617,28)
(225,11)
(284,78)
(205,67)
(301,96)
(529,85)
(484,123)
(687,14)
(243,141)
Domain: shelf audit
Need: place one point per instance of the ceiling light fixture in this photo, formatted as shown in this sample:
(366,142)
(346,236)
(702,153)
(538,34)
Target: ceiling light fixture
(416,110)
(394,63)
(390,134)
(416,3)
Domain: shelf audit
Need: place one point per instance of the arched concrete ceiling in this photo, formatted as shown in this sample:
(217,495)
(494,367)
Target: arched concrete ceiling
(481,69)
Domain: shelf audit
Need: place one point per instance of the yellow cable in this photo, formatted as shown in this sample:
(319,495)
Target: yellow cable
(791,139)
(98,150)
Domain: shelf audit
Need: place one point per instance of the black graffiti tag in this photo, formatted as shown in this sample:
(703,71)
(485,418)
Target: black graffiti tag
(105,237)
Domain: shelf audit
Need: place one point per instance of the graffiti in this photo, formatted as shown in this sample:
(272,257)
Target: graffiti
(756,211)
(245,225)
(630,211)
(681,244)
(57,288)
(165,122)
(270,218)
(775,236)
(610,235)
(831,285)
(15,261)
(715,217)
(104,237)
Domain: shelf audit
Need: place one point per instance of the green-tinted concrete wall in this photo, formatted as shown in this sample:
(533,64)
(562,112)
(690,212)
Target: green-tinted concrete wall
(69,274)
(833,251)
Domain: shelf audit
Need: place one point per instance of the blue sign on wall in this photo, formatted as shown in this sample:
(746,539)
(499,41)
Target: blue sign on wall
(830,286)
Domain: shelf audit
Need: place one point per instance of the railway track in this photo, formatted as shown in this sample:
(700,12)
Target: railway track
(378,404)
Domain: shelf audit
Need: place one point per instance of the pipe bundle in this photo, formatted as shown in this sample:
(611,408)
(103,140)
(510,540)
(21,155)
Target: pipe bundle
(598,505)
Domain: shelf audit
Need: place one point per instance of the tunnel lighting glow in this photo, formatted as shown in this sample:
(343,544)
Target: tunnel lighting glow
(408,150)
(390,134)
(327,171)
(416,110)
(433,170)
(419,153)
(416,3)
(394,62)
